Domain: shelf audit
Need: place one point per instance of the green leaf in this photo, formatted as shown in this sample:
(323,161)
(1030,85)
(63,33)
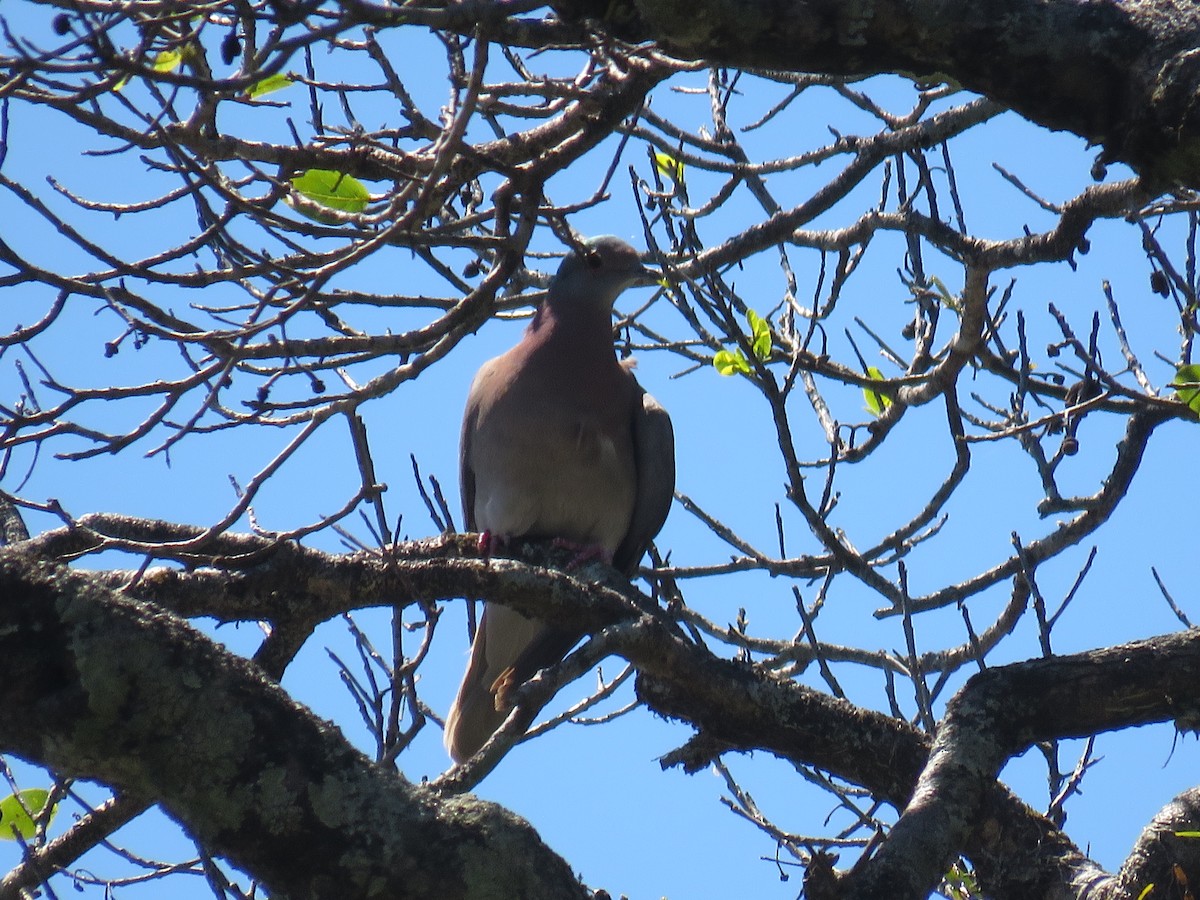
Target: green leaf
(18,811)
(332,189)
(1145,891)
(960,883)
(1189,374)
(730,362)
(938,287)
(877,401)
(167,61)
(669,166)
(1187,834)
(760,335)
(269,85)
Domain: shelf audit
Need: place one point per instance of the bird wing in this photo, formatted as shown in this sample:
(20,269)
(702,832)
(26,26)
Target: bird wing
(654,460)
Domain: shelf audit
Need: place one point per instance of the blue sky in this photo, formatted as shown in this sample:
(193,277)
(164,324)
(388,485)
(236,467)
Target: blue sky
(597,795)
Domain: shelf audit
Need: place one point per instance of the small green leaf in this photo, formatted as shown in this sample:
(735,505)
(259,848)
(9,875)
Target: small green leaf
(1187,834)
(938,287)
(332,189)
(167,61)
(944,292)
(760,335)
(877,401)
(18,811)
(730,362)
(669,166)
(960,883)
(1146,891)
(269,85)
(1189,374)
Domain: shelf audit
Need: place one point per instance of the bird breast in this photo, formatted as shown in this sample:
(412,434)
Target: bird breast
(547,464)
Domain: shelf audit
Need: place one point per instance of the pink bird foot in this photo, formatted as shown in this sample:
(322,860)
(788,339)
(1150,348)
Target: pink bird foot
(584,553)
(490,543)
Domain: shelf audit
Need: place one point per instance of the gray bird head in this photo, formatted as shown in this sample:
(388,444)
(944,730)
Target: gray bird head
(598,271)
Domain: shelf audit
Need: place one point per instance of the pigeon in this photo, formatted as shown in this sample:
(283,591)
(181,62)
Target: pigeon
(559,441)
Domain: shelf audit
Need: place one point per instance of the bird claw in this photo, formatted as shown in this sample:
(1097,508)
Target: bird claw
(584,553)
(490,543)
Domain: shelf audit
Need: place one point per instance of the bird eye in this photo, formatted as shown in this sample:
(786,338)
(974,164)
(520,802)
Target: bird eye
(593,259)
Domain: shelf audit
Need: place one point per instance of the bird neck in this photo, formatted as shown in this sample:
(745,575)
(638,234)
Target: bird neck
(584,328)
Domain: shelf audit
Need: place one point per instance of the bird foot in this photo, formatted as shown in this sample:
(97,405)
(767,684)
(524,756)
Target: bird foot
(490,543)
(584,553)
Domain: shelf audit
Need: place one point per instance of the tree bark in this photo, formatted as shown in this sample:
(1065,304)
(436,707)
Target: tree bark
(97,684)
(1003,711)
(1120,73)
(100,686)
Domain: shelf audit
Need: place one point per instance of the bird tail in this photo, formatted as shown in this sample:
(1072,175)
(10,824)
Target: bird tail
(473,718)
(500,639)
(507,651)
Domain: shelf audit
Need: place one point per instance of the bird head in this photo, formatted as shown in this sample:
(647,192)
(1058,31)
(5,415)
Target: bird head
(597,271)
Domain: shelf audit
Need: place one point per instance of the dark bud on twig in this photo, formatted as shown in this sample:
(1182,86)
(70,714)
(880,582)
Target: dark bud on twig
(1082,392)
(230,48)
(1079,392)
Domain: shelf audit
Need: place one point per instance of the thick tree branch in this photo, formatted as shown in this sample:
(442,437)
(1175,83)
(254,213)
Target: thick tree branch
(1127,81)
(1016,852)
(1166,847)
(1003,711)
(102,687)
(735,706)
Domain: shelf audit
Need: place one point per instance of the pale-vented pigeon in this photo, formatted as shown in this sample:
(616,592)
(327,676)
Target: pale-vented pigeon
(558,441)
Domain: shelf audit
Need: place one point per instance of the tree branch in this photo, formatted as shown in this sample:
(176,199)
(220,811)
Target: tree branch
(102,687)
(1003,711)
(1129,85)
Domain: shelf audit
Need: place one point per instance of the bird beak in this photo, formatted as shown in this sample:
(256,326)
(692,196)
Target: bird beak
(647,277)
